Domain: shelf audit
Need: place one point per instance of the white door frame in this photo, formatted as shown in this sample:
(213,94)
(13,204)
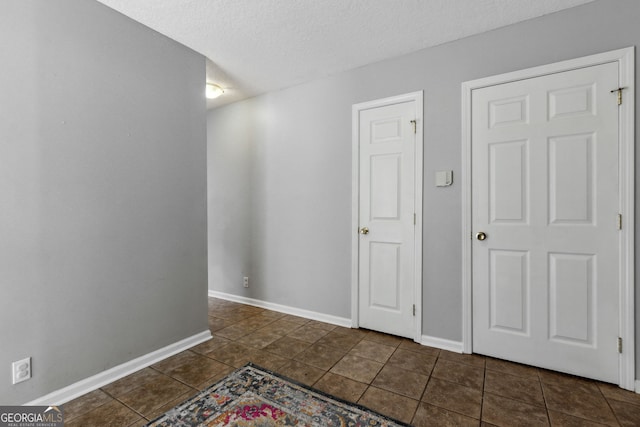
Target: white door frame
(625,59)
(417,97)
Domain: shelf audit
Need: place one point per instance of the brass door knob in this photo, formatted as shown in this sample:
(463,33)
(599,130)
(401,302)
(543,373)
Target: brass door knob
(481,236)
(364,230)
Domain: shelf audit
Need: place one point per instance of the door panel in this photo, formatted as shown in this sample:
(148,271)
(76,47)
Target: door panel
(545,191)
(384,188)
(508,181)
(571,308)
(387,203)
(509,290)
(384,265)
(571,179)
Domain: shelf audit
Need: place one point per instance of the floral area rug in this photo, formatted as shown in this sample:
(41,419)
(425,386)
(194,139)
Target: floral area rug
(253,396)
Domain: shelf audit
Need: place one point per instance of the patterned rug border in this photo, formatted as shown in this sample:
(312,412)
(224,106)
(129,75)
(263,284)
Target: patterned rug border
(292,381)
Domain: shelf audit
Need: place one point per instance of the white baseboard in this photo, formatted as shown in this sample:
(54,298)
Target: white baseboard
(638,386)
(94,382)
(312,315)
(441,343)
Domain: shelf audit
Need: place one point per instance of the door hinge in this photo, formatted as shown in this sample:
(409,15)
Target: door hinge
(619,90)
(414,309)
(619,222)
(619,344)
(414,219)
(414,123)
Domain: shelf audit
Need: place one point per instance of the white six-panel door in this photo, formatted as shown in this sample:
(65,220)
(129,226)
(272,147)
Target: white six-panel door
(545,194)
(386,257)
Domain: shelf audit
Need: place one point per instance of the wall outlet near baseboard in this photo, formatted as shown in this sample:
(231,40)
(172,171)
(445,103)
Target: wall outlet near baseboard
(245,282)
(21,370)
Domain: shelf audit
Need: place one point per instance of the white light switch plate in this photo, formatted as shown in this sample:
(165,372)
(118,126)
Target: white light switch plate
(444,178)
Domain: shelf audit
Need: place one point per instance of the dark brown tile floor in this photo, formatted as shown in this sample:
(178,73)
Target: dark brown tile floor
(413,383)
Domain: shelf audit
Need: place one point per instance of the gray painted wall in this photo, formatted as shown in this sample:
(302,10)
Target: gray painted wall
(297,163)
(102,192)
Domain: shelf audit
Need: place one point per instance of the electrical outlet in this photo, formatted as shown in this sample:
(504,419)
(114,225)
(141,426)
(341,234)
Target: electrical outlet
(245,282)
(21,370)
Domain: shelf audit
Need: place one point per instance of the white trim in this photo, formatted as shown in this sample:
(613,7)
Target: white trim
(442,344)
(465,179)
(94,382)
(625,59)
(417,98)
(419,178)
(637,386)
(355,213)
(626,155)
(307,314)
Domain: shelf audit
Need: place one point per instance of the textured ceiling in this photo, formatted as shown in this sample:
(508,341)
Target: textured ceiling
(256,46)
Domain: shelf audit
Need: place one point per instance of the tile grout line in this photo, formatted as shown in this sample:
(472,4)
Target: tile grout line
(92,409)
(457,384)
(134,410)
(608,405)
(484,384)
(544,397)
(581,417)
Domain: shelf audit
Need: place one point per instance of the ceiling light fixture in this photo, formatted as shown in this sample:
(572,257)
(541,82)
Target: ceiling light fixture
(213,91)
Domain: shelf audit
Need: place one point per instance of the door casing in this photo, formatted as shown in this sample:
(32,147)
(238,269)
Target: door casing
(417,97)
(625,59)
